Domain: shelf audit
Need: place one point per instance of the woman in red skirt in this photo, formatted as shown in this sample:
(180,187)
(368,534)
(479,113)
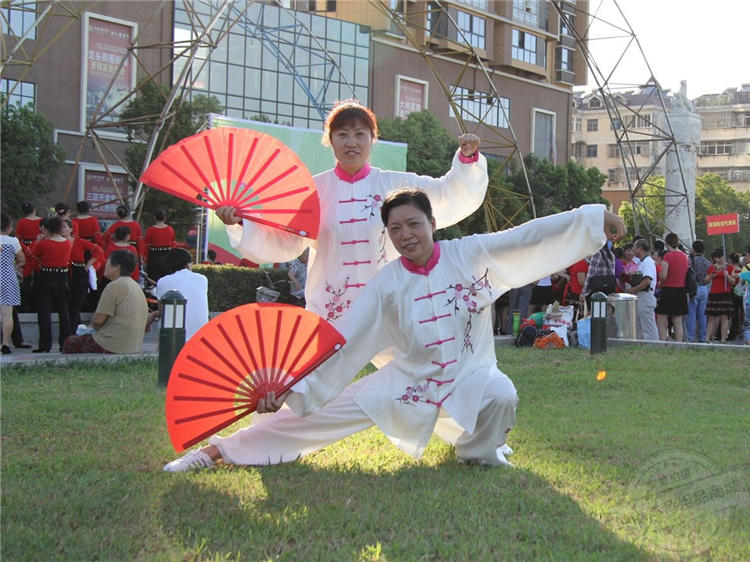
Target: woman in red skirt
(720,306)
(159,240)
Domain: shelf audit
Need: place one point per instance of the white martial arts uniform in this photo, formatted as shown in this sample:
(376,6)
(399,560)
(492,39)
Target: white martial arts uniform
(352,244)
(438,318)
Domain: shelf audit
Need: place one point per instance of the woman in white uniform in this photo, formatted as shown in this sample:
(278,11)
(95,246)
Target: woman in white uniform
(351,245)
(433,306)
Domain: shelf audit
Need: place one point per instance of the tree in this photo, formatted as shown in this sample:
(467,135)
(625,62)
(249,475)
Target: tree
(431,147)
(187,119)
(652,214)
(713,196)
(30,158)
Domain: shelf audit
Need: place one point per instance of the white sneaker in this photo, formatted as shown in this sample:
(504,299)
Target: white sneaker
(505,450)
(191,461)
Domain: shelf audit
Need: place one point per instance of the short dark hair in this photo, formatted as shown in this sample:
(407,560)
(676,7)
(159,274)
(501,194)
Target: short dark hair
(718,253)
(61,208)
(211,254)
(27,208)
(672,239)
(658,244)
(53,224)
(83,207)
(5,221)
(177,259)
(120,233)
(642,243)
(698,246)
(125,259)
(348,112)
(405,196)
(122,211)
(160,214)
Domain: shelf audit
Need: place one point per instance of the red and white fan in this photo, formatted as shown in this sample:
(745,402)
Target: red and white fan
(242,168)
(236,359)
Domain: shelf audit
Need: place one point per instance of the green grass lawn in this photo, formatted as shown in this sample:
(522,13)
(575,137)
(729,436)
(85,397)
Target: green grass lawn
(621,469)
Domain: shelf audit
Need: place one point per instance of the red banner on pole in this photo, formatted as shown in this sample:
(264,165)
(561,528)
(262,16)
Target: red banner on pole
(723,224)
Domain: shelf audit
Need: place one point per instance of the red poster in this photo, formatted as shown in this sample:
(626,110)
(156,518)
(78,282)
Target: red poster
(722,224)
(410,97)
(102,195)
(107,46)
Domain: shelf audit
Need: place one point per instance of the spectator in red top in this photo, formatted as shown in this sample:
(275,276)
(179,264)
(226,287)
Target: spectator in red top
(120,240)
(719,307)
(84,255)
(88,226)
(577,273)
(27,232)
(159,240)
(673,298)
(136,235)
(53,253)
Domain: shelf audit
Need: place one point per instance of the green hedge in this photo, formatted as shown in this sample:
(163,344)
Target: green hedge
(230,286)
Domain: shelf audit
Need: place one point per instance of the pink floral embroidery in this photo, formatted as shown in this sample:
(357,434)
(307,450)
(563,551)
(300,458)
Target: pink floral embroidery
(465,297)
(374,202)
(337,305)
(411,395)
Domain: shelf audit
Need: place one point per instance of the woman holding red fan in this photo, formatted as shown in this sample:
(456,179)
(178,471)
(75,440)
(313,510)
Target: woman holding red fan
(352,245)
(433,306)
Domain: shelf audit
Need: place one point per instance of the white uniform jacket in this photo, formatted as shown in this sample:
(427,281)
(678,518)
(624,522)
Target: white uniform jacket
(352,244)
(439,322)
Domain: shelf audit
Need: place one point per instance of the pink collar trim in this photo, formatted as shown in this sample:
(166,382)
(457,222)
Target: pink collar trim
(429,266)
(347,177)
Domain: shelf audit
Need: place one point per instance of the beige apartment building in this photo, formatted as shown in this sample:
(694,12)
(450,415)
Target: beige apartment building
(528,49)
(724,148)
(725,136)
(594,139)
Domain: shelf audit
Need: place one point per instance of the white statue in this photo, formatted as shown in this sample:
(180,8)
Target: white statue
(681,101)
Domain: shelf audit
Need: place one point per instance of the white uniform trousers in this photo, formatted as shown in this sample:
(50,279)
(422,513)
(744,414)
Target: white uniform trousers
(284,437)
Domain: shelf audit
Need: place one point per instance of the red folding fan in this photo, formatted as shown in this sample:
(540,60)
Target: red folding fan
(251,171)
(236,359)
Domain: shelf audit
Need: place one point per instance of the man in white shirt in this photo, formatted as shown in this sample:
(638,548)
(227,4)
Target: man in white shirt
(644,290)
(193,286)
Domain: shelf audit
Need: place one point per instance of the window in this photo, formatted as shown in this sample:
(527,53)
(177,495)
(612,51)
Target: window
(564,59)
(595,102)
(591,150)
(567,23)
(633,122)
(529,48)
(592,125)
(479,4)
(613,175)
(479,105)
(19,19)
(472,28)
(526,11)
(399,8)
(18,93)
(613,151)
(578,124)
(715,148)
(544,135)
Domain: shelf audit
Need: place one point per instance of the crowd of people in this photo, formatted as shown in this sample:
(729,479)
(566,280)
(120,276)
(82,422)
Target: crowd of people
(62,264)
(718,311)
